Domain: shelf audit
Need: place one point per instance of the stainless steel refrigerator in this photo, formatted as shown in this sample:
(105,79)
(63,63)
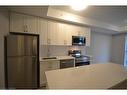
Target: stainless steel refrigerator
(22,61)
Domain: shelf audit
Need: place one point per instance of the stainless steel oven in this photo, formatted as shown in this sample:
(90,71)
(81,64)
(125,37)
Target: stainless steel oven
(66,63)
(80,60)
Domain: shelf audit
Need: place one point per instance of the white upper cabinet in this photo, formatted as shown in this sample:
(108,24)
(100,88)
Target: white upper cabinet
(82,31)
(74,30)
(67,33)
(61,34)
(23,23)
(42,29)
(85,31)
(52,33)
(17,23)
(31,24)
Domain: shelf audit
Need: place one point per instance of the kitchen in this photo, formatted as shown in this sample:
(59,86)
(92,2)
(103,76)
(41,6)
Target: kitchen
(57,33)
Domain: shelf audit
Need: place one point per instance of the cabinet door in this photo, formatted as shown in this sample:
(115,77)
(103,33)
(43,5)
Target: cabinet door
(74,30)
(46,66)
(61,33)
(16,22)
(42,29)
(31,24)
(52,33)
(82,31)
(53,65)
(71,30)
(85,32)
(43,67)
(67,33)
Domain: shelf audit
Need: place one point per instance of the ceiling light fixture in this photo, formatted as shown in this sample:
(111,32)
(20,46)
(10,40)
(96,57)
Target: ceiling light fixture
(79,7)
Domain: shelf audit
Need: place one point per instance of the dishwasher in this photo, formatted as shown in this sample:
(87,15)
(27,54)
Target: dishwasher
(67,63)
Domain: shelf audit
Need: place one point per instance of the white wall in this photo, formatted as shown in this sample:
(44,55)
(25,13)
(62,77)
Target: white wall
(4,29)
(100,48)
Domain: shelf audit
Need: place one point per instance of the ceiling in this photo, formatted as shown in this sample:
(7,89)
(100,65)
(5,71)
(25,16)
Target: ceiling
(115,15)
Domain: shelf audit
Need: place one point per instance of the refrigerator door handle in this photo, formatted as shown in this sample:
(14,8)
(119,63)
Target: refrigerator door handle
(34,47)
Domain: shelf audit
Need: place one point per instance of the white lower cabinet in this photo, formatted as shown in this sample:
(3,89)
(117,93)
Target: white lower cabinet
(46,66)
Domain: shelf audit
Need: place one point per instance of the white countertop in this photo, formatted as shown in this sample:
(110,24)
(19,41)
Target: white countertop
(57,58)
(95,76)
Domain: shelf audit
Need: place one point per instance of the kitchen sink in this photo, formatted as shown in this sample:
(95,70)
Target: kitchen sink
(49,58)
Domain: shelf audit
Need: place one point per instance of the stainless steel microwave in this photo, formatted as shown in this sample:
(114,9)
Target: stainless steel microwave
(78,40)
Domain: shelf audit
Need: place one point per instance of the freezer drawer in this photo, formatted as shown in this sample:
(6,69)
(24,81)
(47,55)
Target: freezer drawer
(22,72)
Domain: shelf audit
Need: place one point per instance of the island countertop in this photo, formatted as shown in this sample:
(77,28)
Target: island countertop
(94,76)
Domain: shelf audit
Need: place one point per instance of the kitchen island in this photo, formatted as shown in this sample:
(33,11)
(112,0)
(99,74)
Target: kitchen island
(94,76)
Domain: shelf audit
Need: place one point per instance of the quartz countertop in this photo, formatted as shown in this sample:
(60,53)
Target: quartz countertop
(94,76)
(57,58)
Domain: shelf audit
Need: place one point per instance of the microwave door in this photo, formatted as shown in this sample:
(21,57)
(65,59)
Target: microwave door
(78,40)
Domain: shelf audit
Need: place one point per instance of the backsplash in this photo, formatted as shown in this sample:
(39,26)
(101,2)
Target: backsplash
(52,50)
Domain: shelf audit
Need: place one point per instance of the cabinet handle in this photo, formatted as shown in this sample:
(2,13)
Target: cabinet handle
(25,28)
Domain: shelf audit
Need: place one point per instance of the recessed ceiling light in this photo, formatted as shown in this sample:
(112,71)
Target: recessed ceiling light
(79,7)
